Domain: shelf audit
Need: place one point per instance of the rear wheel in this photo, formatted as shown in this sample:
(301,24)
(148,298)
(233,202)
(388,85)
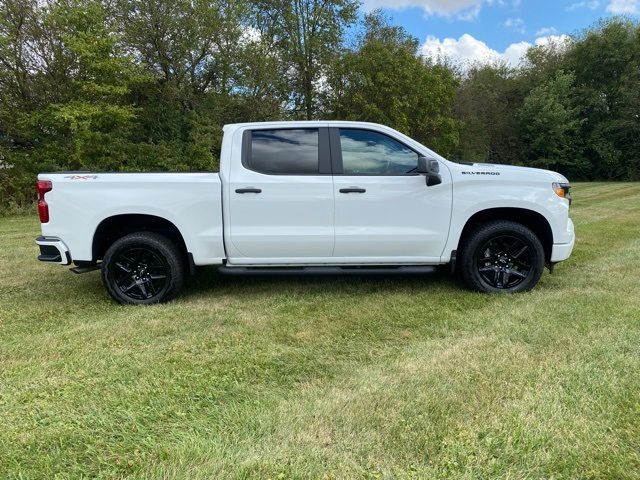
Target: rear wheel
(143,268)
(502,256)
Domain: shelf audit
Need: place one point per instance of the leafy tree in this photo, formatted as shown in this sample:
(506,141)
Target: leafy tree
(486,105)
(65,95)
(186,43)
(627,126)
(96,115)
(606,61)
(550,125)
(209,67)
(147,85)
(307,34)
(189,50)
(541,62)
(384,80)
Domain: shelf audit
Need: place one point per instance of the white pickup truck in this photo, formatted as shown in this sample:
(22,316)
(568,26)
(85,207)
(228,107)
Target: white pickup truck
(319,197)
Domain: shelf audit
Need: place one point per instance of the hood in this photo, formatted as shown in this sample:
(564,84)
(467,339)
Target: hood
(511,170)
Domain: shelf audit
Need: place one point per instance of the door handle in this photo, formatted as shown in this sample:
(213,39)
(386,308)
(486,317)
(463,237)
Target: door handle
(353,190)
(248,190)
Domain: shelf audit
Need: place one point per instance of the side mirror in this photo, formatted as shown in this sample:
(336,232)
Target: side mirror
(431,169)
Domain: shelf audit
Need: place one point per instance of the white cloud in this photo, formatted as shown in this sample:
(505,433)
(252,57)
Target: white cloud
(621,7)
(461,9)
(546,31)
(467,50)
(589,4)
(469,14)
(439,7)
(505,3)
(515,24)
(514,53)
(559,40)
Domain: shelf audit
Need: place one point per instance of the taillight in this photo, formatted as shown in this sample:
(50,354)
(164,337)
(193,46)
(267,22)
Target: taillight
(42,187)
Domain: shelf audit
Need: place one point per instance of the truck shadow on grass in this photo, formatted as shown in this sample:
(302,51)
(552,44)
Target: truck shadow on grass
(208,281)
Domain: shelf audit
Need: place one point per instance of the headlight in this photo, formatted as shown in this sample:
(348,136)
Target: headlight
(562,190)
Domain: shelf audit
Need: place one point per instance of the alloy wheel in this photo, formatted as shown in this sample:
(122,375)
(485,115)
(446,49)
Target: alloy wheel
(505,261)
(140,273)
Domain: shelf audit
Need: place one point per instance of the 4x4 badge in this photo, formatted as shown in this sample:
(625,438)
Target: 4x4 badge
(81,177)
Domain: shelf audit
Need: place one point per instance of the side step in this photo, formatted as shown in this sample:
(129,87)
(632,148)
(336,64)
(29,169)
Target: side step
(401,270)
(85,268)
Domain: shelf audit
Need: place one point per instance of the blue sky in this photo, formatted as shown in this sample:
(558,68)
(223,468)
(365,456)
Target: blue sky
(485,30)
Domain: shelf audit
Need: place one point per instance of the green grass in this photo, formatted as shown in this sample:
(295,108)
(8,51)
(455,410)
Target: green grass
(328,378)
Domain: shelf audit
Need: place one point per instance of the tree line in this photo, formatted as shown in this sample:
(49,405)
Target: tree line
(138,85)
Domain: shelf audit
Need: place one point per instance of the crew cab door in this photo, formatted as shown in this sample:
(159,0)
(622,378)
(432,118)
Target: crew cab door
(281,197)
(384,211)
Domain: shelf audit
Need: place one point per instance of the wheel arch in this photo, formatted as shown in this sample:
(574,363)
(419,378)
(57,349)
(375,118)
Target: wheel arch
(531,219)
(115,227)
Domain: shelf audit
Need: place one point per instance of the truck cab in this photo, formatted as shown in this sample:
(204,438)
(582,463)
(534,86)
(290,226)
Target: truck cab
(319,196)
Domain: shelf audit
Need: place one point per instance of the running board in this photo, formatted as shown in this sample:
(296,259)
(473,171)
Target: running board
(85,269)
(402,270)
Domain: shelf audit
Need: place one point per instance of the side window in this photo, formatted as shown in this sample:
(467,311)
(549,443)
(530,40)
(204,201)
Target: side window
(284,152)
(371,153)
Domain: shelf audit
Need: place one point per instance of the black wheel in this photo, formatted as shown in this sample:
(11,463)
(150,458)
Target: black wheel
(502,256)
(143,268)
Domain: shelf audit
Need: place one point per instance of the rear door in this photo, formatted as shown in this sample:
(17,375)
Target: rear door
(384,211)
(281,197)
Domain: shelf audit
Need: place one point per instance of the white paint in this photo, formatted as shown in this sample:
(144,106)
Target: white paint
(305,220)
(191,201)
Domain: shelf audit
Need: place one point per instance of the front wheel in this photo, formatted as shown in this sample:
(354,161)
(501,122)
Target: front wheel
(502,256)
(143,268)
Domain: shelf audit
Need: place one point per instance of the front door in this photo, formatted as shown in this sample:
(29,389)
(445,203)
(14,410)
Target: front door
(281,198)
(384,211)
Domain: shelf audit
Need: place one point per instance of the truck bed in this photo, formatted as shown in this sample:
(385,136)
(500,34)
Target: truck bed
(80,201)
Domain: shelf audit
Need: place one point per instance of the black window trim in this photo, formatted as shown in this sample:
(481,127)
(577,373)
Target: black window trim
(324,151)
(336,153)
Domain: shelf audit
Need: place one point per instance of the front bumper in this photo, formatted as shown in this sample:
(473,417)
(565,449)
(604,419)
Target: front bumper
(562,251)
(53,250)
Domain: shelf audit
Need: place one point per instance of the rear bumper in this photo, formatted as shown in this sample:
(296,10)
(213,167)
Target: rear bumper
(562,251)
(53,250)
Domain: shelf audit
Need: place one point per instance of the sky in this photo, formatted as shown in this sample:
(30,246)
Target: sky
(488,30)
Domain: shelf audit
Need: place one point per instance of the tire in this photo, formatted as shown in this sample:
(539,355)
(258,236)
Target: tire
(143,268)
(502,257)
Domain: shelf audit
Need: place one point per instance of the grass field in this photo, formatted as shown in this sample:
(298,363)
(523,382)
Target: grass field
(328,378)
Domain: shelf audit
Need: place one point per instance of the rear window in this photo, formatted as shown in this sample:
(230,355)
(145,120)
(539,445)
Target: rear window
(284,152)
